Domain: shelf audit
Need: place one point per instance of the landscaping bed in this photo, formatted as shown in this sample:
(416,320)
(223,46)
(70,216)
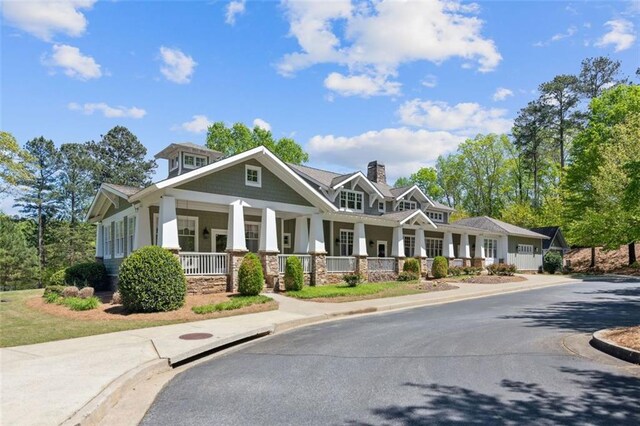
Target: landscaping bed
(28,319)
(344,293)
(492,279)
(629,337)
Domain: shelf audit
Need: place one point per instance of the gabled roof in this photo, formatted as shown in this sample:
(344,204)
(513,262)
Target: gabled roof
(321,177)
(494,225)
(108,194)
(408,216)
(554,233)
(124,190)
(189,146)
(441,206)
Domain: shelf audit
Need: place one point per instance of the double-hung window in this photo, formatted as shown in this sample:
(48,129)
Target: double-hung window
(381,208)
(434,247)
(252,236)
(131,232)
(490,248)
(346,242)
(351,200)
(187,229)
(409,245)
(119,238)
(407,205)
(525,248)
(106,232)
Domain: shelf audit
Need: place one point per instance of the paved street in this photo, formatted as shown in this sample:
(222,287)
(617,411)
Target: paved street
(495,360)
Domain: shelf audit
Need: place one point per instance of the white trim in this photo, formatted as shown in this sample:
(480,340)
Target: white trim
(347,231)
(525,249)
(421,215)
(194,165)
(412,205)
(131,236)
(411,190)
(107,242)
(177,160)
(360,177)
(245,233)
(355,201)
(386,248)
(197,230)
(214,234)
(286,244)
(258,170)
(155,231)
(436,219)
(117,254)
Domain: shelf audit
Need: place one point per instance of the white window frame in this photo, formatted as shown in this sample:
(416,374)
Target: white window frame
(214,237)
(204,161)
(434,246)
(131,233)
(196,235)
(248,182)
(257,232)
(119,239)
(381,204)
(402,205)
(386,248)
(346,232)
(154,236)
(193,156)
(412,245)
(286,240)
(525,248)
(357,194)
(436,216)
(106,238)
(490,247)
(175,163)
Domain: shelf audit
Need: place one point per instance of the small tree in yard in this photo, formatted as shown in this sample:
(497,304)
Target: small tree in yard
(440,267)
(552,262)
(250,276)
(293,274)
(151,280)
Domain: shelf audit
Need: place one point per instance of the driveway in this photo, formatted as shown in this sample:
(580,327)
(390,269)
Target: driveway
(496,360)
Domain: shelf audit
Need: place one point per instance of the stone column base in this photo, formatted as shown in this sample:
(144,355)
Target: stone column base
(270,267)
(233,265)
(477,262)
(466,261)
(318,268)
(423,266)
(362,266)
(400,263)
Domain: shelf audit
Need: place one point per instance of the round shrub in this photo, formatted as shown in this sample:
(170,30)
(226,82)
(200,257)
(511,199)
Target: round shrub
(440,267)
(58,278)
(87,274)
(53,289)
(552,262)
(151,280)
(250,276)
(86,292)
(293,274)
(70,291)
(412,265)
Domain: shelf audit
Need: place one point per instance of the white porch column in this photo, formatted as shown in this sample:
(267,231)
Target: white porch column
(99,241)
(359,240)
(479,254)
(301,245)
(447,245)
(465,250)
(268,231)
(503,248)
(397,245)
(420,247)
(235,228)
(168,227)
(316,242)
(142,236)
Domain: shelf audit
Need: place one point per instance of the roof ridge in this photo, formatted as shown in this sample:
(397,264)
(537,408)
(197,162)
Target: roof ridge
(314,168)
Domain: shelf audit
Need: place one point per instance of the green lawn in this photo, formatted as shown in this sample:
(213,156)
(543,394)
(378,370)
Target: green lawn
(236,302)
(344,293)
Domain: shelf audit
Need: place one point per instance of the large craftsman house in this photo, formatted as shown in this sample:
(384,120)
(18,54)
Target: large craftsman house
(212,210)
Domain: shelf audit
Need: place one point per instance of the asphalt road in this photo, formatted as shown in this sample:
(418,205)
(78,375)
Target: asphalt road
(496,360)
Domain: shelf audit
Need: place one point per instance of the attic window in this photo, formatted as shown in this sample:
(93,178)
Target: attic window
(253,176)
(194,161)
(381,206)
(351,200)
(436,216)
(407,205)
(174,163)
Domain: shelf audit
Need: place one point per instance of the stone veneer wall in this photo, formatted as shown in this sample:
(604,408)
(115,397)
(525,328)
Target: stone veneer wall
(334,277)
(206,284)
(382,276)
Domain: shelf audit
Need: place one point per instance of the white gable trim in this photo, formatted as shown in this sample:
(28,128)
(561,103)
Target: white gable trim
(412,190)
(418,216)
(360,177)
(105,196)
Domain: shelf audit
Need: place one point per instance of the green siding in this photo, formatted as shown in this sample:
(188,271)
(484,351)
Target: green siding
(514,241)
(231,181)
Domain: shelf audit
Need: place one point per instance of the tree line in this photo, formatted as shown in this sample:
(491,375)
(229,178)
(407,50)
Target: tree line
(570,160)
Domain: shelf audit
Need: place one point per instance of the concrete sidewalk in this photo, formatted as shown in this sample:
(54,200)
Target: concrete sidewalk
(77,380)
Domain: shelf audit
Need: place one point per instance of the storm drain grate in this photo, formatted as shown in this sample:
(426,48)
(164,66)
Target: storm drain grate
(195,336)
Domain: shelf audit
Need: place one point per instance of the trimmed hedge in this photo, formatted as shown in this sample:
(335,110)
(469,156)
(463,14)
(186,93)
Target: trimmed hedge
(151,280)
(440,267)
(293,274)
(87,274)
(412,265)
(552,262)
(250,276)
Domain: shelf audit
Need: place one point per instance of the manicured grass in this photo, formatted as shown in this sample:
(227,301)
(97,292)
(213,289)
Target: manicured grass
(236,302)
(22,325)
(362,291)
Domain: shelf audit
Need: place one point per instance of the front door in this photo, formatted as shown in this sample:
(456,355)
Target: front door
(382,249)
(490,251)
(219,242)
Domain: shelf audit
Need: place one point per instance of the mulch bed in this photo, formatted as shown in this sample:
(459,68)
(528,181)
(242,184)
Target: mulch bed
(108,312)
(493,279)
(629,337)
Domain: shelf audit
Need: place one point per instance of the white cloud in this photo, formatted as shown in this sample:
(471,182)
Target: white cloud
(571,31)
(429,30)
(502,93)
(259,122)
(621,35)
(429,81)
(400,149)
(43,19)
(361,85)
(73,62)
(177,67)
(234,8)
(466,118)
(108,111)
(198,124)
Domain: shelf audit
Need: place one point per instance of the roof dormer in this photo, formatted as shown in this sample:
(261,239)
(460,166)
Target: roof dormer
(186,156)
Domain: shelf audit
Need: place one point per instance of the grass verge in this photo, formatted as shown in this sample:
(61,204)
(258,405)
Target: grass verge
(236,302)
(344,293)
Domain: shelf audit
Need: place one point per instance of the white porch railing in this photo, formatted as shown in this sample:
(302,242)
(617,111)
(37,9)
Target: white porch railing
(341,264)
(194,263)
(457,262)
(305,259)
(381,263)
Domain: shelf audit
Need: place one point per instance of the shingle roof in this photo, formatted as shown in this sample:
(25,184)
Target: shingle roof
(323,177)
(400,216)
(441,206)
(336,180)
(128,190)
(494,225)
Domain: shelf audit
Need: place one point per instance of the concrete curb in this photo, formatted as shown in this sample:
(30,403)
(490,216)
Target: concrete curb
(94,411)
(607,346)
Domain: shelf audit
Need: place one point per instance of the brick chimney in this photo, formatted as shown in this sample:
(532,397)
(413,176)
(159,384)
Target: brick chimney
(376,173)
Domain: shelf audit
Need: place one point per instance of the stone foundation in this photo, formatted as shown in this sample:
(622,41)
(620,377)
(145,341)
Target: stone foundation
(318,268)
(424,270)
(206,284)
(362,266)
(466,261)
(382,276)
(400,264)
(235,258)
(477,262)
(334,277)
(270,267)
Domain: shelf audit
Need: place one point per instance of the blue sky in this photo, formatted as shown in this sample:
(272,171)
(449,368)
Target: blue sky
(400,82)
